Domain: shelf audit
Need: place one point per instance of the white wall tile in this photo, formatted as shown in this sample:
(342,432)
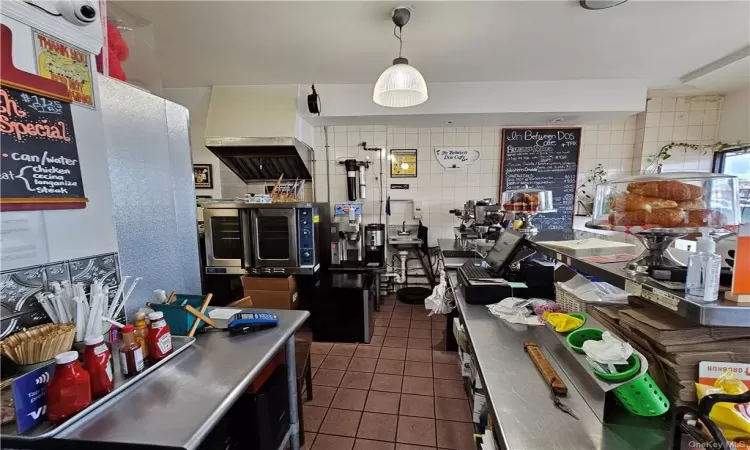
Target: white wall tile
(695,118)
(616,137)
(694,133)
(652,119)
(668,104)
(653,105)
(681,118)
(628,137)
(679,134)
(682,104)
(711,117)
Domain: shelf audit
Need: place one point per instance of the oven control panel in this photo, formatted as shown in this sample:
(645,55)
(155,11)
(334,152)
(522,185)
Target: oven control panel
(306,219)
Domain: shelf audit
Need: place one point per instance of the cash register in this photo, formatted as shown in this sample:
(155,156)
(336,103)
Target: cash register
(491,279)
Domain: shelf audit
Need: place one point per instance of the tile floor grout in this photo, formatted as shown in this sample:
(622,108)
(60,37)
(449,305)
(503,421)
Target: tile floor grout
(399,428)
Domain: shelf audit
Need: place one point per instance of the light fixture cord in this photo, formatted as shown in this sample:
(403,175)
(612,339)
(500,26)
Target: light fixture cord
(400,40)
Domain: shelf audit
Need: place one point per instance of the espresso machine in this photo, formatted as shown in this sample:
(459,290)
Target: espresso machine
(375,245)
(347,243)
(480,218)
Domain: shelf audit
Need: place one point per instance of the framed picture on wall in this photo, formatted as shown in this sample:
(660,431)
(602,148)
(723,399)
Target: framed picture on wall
(203,176)
(404,163)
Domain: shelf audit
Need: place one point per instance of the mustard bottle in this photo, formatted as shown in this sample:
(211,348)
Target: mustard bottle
(141,332)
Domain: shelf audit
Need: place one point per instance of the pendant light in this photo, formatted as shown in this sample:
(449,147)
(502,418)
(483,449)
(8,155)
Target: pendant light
(400,85)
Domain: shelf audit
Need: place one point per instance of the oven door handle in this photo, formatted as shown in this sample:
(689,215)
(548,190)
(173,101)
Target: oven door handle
(247,241)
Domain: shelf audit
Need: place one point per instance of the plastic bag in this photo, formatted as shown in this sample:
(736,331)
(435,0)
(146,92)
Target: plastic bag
(732,418)
(594,291)
(437,302)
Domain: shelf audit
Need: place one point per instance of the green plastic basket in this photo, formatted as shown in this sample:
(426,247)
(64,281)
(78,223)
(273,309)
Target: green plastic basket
(576,338)
(626,371)
(642,397)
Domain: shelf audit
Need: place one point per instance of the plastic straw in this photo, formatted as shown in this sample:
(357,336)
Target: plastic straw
(118,293)
(47,308)
(127,296)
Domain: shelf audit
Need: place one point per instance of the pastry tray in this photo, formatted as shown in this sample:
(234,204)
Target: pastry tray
(652,229)
(47,429)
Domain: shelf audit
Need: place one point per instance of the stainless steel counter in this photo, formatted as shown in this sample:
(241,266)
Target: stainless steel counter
(721,313)
(520,400)
(178,405)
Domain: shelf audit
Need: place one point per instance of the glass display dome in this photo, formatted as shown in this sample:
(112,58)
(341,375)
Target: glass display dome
(527,200)
(684,201)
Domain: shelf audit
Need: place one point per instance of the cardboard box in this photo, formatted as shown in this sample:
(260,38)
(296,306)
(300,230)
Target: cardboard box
(271,293)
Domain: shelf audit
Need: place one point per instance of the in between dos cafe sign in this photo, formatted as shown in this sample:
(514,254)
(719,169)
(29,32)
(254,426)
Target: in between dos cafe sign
(456,158)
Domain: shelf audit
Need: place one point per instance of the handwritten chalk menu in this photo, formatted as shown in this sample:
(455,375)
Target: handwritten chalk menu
(39,165)
(545,158)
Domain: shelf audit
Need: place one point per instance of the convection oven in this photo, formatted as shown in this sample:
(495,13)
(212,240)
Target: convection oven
(276,238)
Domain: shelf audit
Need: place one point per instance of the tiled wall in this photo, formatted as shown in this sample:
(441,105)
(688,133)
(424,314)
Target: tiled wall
(694,120)
(611,143)
(18,287)
(622,146)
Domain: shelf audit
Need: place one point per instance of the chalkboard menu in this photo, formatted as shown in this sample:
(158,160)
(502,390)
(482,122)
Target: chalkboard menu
(545,158)
(39,165)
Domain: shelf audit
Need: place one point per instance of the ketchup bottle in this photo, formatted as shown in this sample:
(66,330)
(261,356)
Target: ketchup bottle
(159,337)
(69,391)
(98,363)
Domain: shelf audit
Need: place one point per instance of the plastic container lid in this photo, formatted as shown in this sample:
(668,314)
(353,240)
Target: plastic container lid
(128,329)
(155,316)
(94,340)
(705,244)
(140,315)
(66,357)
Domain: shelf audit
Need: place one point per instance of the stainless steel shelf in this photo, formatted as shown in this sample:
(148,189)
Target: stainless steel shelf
(721,313)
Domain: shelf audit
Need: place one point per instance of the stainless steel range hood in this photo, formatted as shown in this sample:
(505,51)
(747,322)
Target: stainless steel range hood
(258,133)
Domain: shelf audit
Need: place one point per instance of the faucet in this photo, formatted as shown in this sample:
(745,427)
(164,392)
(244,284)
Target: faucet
(403,231)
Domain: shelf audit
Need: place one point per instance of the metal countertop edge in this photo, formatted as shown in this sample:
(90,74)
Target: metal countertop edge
(200,434)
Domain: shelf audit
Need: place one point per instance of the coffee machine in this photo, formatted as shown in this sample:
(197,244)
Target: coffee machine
(347,247)
(375,245)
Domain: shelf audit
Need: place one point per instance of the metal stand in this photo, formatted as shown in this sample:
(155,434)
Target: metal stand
(526,226)
(656,254)
(291,374)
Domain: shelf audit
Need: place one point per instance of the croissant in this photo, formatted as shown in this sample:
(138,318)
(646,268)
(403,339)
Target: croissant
(635,202)
(666,217)
(667,189)
(692,205)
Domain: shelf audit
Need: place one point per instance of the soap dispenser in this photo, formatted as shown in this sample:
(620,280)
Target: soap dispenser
(704,270)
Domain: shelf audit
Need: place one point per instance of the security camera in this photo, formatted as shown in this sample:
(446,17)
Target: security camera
(77,12)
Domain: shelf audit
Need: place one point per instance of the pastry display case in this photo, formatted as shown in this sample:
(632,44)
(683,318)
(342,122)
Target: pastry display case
(526,203)
(660,208)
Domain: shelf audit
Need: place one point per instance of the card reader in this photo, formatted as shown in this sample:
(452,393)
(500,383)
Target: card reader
(252,321)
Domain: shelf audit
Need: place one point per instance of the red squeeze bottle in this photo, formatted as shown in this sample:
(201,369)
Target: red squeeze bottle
(159,337)
(98,363)
(69,391)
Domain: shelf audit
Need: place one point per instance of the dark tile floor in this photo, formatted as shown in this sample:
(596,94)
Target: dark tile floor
(402,391)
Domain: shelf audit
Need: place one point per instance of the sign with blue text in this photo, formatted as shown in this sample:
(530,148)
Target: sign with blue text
(30,397)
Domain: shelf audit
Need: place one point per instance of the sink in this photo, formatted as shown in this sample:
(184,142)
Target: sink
(404,243)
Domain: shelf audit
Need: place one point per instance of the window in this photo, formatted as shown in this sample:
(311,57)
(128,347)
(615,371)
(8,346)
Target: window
(737,162)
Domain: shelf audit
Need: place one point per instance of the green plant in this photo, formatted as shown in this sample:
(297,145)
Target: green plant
(654,161)
(597,175)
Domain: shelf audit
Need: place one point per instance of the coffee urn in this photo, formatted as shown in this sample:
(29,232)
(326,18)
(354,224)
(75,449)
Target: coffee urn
(375,245)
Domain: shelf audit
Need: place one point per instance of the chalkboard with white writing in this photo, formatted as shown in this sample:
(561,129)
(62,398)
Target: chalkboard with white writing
(39,157)
(544,158)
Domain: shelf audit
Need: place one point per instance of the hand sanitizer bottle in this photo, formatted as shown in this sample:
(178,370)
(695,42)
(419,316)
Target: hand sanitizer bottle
(704,269)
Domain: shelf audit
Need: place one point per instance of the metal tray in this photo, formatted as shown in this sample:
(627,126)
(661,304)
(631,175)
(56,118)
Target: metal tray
(47,429)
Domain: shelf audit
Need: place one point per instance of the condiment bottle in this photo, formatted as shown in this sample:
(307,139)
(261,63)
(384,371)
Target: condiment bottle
(98,363)
(159,337)
(131,356)
(69,391)
(704,271)
(141,332)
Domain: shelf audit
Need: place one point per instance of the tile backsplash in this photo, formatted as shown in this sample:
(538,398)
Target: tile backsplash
(622,146)
(20,308)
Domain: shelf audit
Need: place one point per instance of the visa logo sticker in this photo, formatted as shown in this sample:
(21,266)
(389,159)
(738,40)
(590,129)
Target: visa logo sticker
(30,397)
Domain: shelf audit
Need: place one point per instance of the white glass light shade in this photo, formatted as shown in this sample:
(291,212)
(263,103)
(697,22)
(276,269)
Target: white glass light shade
(400,86)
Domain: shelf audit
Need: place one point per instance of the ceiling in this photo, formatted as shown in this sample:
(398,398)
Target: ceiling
(205,43)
